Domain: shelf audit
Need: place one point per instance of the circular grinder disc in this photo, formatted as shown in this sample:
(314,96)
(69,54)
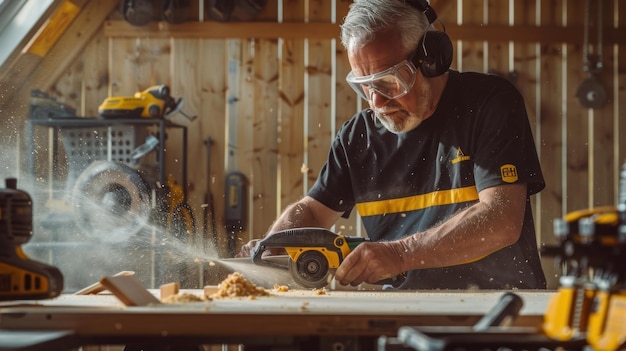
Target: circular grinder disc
(111,201)
(311,270)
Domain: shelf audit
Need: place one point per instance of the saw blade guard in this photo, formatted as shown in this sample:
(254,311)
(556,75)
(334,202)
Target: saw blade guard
(111,201)
(311,269)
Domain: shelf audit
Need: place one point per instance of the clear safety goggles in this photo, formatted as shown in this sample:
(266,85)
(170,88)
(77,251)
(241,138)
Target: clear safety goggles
(391,83)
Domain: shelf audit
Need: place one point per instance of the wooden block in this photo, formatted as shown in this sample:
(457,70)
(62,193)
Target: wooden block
(169,289)
(96,287)
(210,290)
(129,290)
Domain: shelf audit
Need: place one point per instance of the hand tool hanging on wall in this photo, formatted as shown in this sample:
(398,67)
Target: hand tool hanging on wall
(235,209)
(591,92)
(210,227)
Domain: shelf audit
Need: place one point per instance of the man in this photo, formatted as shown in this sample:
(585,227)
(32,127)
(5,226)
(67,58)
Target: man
(440,167)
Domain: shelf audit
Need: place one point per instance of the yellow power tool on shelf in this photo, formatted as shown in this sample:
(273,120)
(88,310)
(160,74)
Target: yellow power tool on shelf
(22,278)
(591,300)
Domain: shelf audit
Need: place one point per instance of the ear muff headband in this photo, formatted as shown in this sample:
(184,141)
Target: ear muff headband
(423,6)
(433,55)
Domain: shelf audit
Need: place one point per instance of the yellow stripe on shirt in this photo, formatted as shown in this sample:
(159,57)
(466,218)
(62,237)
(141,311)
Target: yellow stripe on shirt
(417,202)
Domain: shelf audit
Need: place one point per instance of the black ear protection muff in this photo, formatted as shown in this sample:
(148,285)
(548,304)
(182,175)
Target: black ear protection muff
(433,55)
(137,12)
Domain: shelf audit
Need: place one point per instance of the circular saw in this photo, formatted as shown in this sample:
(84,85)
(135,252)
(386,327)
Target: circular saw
(314,254)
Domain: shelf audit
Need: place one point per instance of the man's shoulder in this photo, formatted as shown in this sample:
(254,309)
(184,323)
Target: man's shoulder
(486,81)
(476,89)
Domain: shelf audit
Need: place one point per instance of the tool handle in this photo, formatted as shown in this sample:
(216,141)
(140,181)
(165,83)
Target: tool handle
(393,281)
(501,314)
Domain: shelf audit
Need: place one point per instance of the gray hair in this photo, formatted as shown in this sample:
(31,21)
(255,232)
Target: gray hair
(367,17)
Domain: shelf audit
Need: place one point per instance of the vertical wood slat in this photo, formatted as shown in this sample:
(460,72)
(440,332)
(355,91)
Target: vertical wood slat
(264,185)
(551,143)
(525,65)
(291,111)
(265,127)
(347,103)
(618,95)
(320,121)
(212,73)
(470,54)
(246,136)
(497,58)
(577,120)
(95,77)
(604,166)
(240,118)
(185,85)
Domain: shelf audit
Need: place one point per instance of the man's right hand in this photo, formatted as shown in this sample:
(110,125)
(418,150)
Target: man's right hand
(246,249)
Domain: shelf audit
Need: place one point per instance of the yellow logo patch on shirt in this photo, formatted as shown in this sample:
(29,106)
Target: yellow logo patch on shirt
(509,173)
(460,156)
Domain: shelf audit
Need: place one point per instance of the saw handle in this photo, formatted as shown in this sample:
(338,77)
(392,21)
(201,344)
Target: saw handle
(393,281)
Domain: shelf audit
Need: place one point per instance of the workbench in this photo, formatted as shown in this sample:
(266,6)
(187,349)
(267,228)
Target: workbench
(299,319)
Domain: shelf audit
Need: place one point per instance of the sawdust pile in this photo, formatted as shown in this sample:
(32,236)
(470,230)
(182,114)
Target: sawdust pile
(184,297)
(235,285)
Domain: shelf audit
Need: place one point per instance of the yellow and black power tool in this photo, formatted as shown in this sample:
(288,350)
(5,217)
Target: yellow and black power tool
(22,278)
(591,301)
(313,254)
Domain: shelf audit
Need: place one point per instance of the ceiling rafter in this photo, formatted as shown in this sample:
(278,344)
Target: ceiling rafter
(30,71)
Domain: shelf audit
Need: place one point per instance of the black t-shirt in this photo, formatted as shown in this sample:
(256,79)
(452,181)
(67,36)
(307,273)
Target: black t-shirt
(478,137)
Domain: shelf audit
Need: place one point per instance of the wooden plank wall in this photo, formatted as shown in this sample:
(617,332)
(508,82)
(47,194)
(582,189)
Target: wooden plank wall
(272,106)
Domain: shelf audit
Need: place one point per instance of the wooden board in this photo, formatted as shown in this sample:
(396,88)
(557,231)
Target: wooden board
(297,312)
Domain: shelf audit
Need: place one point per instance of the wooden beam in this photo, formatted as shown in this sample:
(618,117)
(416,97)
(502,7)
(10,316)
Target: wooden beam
(222,30)
(71,44)
(32,71)
(530,34)
(9,67)
(320,30)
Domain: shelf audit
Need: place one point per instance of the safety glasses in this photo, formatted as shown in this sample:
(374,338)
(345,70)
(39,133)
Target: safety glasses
(391,83)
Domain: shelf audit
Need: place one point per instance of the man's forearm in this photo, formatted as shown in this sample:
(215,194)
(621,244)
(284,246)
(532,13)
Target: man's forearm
(296,215)
(471,234)
(305,213)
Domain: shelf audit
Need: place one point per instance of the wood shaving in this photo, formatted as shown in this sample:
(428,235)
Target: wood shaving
(235,285)
(281,288)
(183,298)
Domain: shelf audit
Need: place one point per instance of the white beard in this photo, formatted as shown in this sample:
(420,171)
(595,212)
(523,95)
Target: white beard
(407,123)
